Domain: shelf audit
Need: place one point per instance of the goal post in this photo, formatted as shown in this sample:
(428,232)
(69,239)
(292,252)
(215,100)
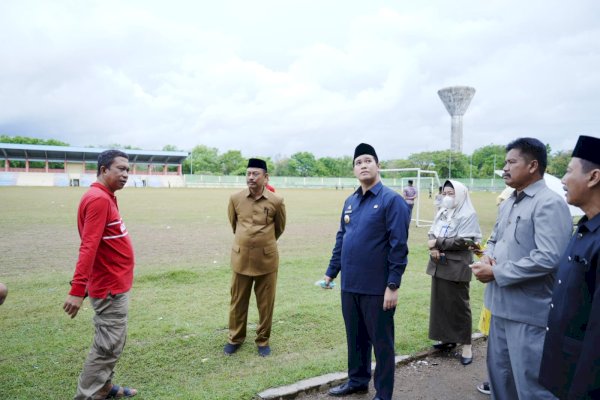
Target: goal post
(421,178)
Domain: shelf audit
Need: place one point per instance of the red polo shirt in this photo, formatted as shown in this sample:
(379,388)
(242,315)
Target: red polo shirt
(106,260)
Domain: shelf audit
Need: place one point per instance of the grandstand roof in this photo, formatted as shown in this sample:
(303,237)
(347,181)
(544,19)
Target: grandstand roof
(34,152)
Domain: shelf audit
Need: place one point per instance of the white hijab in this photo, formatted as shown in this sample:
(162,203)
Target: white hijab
(459,221)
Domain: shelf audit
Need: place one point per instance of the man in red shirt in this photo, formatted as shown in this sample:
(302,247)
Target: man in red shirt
(3,292)
(104,271)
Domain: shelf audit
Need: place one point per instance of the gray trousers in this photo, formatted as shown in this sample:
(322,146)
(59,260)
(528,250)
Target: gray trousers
(110,322)
(513,359)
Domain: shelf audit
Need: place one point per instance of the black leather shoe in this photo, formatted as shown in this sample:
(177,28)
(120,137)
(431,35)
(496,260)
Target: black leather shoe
(264,351)
(466,360)
(345,389)
(444,346)
(230,348)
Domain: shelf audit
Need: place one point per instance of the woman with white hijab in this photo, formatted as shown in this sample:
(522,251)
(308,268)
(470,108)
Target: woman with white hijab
(455,229)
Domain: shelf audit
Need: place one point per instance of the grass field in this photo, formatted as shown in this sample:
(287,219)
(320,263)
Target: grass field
(180,297)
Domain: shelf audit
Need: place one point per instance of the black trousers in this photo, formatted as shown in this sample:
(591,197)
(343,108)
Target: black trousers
(369,327)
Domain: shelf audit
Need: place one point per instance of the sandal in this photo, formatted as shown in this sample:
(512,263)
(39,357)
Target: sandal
(114,392)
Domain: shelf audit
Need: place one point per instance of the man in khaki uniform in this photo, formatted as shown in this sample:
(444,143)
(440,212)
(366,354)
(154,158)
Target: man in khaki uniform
(257,218)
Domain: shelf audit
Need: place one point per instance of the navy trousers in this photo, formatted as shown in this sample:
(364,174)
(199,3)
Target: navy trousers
(369,327)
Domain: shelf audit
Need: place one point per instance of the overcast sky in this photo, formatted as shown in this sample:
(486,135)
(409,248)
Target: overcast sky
(274,77)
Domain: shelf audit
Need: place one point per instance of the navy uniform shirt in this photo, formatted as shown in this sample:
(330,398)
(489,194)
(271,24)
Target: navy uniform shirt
(371,245)
(571,361)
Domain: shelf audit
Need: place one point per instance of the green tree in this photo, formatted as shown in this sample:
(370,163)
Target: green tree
(30,140)
(202,160)
(393,164)
(399,163)
(233,163)
(170,147)
(336,167)
(483,160)
(446,163)
(557,163)
(304,164)
(283,168)
(34,141)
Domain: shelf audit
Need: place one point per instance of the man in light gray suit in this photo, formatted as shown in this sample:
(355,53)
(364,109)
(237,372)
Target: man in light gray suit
(520,263)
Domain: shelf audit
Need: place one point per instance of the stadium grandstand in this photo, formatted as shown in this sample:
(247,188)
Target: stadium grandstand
(42,165)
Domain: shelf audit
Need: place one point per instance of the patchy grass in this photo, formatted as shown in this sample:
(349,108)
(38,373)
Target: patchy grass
(180,298)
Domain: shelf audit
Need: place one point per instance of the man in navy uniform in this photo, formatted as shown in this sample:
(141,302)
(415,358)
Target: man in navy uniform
(571,359)
(371,252)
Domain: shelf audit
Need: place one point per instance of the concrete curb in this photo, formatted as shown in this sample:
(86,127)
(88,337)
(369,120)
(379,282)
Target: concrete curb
(320,383)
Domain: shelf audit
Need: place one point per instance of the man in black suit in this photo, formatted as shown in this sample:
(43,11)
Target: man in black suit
(570,366)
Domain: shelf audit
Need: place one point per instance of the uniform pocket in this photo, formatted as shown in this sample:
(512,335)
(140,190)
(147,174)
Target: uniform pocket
(524,231)
(270,249)
(374,217)
(236,256)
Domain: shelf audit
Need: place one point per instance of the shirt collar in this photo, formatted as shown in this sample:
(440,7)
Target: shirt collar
(102,187)
(590,225)
(264,194)
(375,189)
(532,189)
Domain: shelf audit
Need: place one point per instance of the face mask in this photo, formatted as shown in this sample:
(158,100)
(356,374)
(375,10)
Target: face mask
(448,202)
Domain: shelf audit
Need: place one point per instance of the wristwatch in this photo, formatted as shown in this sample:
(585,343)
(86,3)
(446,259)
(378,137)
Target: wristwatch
(392,286)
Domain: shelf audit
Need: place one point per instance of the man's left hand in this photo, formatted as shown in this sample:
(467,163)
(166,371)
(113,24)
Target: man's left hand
(390,299)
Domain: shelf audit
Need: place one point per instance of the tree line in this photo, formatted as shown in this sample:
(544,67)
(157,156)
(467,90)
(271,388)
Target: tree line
(479,165)
(208,161)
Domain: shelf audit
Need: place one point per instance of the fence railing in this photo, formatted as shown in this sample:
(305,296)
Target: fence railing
(491,185)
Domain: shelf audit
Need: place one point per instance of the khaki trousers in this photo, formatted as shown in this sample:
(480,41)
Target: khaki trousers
(264,290)
(110,322)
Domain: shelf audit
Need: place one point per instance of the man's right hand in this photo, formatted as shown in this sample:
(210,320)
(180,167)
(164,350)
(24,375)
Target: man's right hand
(488,260)
(327,281)
(72,305)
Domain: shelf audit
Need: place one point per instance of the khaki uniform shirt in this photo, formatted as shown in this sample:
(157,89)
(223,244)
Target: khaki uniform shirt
(257,224)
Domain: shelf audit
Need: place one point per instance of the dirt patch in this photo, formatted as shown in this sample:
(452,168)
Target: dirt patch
(439,376)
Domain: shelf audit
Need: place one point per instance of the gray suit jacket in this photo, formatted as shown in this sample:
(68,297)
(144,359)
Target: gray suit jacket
(527,241)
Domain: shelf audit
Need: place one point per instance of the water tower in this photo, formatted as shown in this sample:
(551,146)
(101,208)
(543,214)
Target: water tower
(457,100)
